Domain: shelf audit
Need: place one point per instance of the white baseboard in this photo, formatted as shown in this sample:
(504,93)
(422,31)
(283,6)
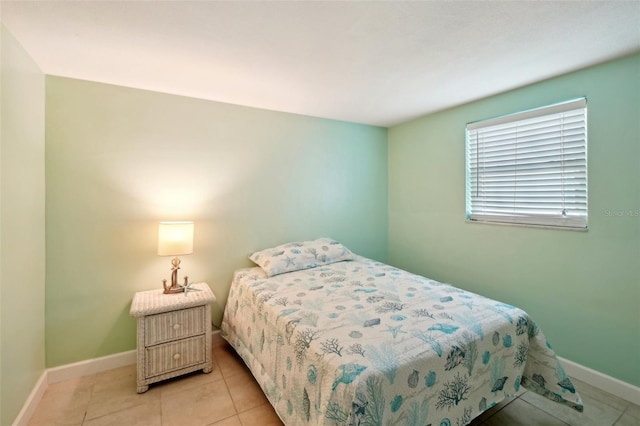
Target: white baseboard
(77,370)
(32,401)
(68,372)
(614,386)
(91,366)
(97,365)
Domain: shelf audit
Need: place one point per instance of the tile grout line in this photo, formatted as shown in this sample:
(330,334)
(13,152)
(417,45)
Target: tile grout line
(225,377)
(551,414)
(501,408)
(619,417)
(238,412)
(226,385)
(86,409)
(627,408)
(625,402)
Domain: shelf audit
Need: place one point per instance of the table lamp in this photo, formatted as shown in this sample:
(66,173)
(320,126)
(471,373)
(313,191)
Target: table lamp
(175,239)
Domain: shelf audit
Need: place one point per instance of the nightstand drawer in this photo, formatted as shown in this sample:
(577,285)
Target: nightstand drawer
(175,355)
(174,325)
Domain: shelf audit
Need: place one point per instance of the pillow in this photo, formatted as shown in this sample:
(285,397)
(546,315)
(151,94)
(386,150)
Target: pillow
(296,256)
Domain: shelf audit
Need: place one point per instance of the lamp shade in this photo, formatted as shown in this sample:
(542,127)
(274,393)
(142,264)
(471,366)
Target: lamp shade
(175,238)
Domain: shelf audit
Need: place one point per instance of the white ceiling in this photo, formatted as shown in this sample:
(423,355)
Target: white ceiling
(377,63)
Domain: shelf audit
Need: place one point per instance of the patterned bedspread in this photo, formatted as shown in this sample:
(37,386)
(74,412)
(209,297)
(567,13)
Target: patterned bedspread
(362,343)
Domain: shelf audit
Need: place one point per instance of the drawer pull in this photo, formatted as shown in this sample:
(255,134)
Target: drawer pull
(176,326)
(176,357)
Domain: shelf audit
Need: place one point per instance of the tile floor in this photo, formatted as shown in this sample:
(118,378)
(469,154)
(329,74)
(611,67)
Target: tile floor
(229,396)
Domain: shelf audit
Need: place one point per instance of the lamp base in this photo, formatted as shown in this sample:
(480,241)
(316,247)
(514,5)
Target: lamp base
(169,289)
(174,288)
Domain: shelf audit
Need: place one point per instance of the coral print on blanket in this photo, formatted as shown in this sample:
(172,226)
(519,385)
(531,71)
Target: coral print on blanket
(359,342)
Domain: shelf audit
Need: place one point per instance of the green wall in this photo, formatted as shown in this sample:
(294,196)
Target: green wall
(120,160)
(583,288)
(22,221)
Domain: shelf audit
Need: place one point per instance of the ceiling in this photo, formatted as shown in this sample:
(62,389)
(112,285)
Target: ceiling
(378,63)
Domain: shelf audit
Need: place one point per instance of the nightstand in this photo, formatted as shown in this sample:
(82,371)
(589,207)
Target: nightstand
(174,333)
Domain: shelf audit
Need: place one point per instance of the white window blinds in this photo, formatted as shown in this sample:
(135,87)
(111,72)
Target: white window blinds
(529,168)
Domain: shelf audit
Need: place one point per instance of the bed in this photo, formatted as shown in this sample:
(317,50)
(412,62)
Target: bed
(334,338)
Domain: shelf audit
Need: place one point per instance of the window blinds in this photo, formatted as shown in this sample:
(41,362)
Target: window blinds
(529,168)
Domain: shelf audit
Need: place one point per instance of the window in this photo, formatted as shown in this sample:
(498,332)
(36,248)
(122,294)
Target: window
(529,168)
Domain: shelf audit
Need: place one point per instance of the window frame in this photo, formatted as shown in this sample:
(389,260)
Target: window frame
(474,181)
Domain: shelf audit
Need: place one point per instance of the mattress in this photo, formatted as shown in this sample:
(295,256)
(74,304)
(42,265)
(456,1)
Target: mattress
(363,343)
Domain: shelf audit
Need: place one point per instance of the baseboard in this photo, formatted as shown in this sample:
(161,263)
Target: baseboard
(609,384)
(91,366)
(77,370)
(32,401)
(614,386)
(67,372)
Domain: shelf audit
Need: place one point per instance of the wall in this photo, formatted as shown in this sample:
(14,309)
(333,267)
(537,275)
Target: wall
(22,233)
(583,288)
(120,160)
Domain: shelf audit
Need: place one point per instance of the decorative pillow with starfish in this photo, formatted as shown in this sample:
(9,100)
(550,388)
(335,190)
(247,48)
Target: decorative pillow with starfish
(300,255)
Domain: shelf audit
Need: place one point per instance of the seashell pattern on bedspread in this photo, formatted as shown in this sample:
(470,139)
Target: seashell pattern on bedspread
(363,343)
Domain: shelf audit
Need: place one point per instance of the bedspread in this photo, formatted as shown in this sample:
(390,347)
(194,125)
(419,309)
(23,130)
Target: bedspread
(363,343)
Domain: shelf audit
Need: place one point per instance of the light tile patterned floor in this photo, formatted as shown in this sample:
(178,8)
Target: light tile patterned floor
(229,396)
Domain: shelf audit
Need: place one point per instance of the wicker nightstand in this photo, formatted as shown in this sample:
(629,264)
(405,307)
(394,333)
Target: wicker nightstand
(174,333)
